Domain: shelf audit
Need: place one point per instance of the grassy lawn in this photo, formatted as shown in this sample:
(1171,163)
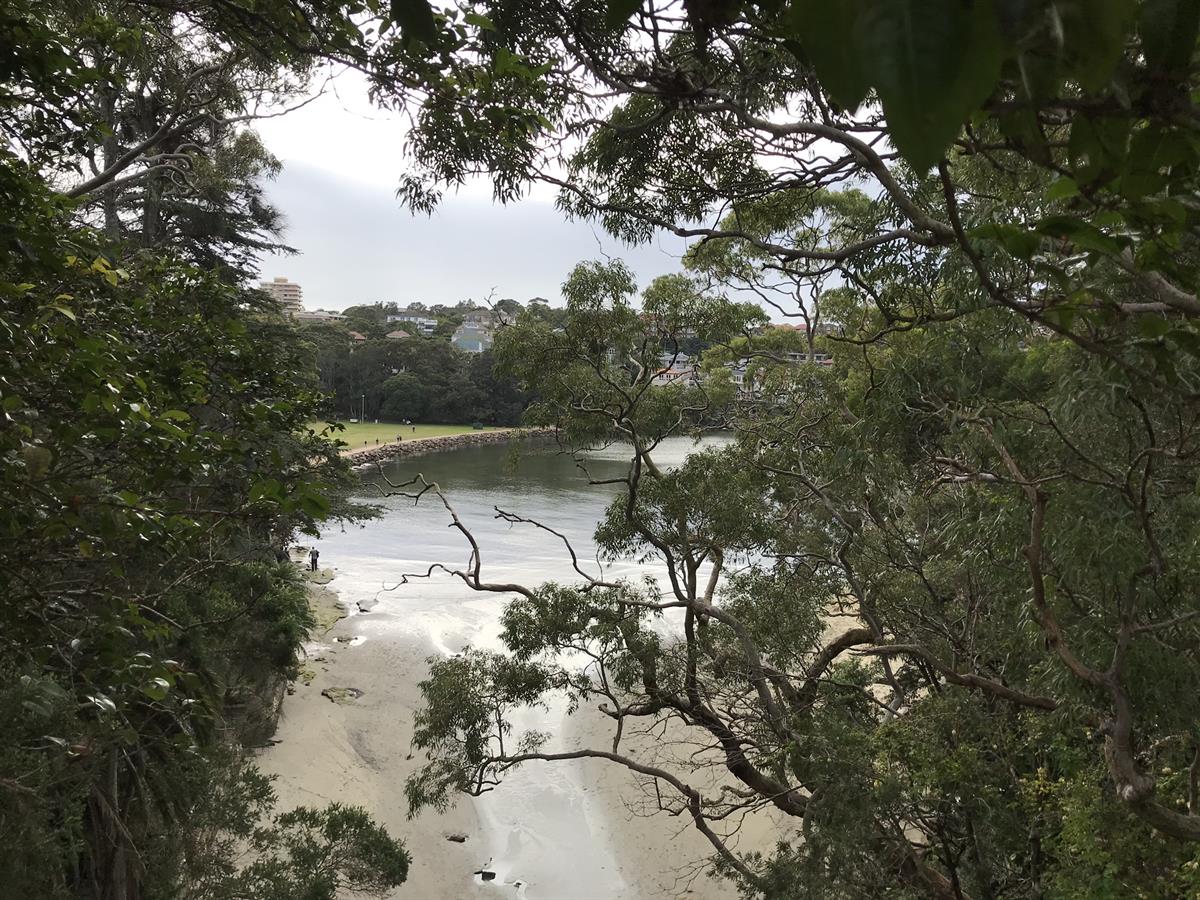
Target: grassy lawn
(364,434)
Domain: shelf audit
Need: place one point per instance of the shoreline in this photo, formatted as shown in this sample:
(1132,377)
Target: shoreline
(344,736)
(361,457)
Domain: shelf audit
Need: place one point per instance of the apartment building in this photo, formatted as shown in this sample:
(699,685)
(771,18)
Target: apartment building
(285,293)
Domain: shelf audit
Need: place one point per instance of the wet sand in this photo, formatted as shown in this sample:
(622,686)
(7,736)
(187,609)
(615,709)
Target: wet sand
(357,752)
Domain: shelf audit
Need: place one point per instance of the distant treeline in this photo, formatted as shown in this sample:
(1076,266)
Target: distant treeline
(370,319)
(423,379)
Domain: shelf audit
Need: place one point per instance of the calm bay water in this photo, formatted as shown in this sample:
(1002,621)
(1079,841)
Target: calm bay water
(542,485)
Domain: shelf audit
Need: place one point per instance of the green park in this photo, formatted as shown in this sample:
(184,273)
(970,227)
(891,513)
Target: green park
(364,434)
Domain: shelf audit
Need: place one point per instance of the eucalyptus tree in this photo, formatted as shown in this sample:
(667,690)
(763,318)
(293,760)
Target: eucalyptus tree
(994,204)
(930,609)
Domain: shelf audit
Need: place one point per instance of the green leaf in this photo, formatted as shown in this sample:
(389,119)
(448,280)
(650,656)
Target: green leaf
(156,688)
(1099,145)
(1062,189)
(1153,326)
(1017,241)
(933,62)
(315,505)
(1154,148)
(1136,185)
(1186,339)
(1062,315)
(37,460)
(416,21)
(508,63)
(1081,234)
(480,21)
(1169,30)
(1021,126)
(102,702)
(1094,37)
(619,11)
(268,488)
(825,32)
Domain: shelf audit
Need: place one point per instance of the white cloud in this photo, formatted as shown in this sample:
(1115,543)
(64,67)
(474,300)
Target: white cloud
(358,245)
(342,162)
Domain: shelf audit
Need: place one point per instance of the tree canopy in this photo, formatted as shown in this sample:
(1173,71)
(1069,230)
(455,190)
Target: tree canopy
(155,462)
(933,604)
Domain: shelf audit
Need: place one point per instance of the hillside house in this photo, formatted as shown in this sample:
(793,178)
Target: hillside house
(318,316)
(479,319)
(676,368)
(421,322)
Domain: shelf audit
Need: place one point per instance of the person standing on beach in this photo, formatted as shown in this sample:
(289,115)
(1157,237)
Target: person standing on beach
(313,555)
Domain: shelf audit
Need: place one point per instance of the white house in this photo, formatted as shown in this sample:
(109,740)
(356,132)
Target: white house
(421,322)
(676,368)
(318,315)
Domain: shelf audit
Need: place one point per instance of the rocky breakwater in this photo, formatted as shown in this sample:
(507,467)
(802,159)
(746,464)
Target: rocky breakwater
(363,457)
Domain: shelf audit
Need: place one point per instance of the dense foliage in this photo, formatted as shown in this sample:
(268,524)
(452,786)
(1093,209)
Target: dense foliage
(371,318)
(154,462)
(934,605)
(420,379)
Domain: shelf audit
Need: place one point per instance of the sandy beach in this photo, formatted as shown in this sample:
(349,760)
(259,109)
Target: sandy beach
(356,751)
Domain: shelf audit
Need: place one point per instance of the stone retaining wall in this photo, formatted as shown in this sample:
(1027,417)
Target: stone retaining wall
(361,458)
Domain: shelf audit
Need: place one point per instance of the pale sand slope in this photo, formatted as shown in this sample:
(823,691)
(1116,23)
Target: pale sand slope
(358,753)
(355,753)
(663,855)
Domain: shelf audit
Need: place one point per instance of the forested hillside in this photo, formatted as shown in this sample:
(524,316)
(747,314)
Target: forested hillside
(417,379)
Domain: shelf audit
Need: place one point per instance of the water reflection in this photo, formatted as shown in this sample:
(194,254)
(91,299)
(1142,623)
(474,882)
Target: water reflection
(540,484)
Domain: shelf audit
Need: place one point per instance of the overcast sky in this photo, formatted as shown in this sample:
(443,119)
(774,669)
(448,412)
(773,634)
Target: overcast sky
(342,163)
